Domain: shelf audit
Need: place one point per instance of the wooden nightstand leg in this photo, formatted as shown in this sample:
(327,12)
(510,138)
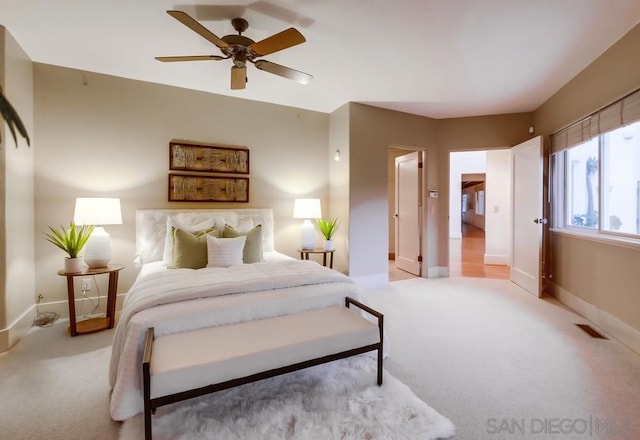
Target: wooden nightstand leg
(324,258)
(331,261)
(72,306)
(111,298)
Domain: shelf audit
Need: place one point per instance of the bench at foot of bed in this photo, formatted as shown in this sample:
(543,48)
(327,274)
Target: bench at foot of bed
(190,364)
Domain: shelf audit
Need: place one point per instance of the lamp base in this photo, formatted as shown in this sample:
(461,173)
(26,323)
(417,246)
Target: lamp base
(307,235)
(97,251)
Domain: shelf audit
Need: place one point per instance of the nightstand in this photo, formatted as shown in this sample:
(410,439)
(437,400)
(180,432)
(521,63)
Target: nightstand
(93,325)
(304,255)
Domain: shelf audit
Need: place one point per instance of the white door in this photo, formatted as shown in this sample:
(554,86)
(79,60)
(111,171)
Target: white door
(407,213)
(526,244)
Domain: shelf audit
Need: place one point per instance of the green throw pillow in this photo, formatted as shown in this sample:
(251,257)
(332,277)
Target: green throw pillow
(190,248)
(252,252)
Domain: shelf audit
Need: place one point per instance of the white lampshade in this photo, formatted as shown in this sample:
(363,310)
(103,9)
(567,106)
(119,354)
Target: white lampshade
(97,211)
(307,209)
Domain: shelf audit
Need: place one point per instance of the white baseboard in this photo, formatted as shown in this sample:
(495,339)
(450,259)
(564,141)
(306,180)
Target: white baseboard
(609,324)
(437,272)
(18,328)
(502,260)
(12,334)
(82,305)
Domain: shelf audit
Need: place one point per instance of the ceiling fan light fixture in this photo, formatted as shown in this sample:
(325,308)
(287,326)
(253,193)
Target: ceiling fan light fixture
(242,49)
(238,77)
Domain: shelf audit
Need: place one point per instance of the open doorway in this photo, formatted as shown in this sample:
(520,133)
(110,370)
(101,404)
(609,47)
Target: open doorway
(479,220)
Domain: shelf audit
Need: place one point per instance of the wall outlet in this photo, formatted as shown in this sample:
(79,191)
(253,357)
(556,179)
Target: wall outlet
(86,284)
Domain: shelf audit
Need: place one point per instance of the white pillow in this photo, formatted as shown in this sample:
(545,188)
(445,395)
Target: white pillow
(224,252)
(167,256)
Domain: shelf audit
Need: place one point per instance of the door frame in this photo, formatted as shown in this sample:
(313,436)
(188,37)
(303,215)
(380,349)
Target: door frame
(458,207)
(410,262)
(423,200)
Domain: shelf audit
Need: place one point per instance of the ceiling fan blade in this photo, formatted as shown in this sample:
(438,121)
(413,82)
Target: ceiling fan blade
(279,41)
(285,72)
(191,58)
(238,77)
(195,26)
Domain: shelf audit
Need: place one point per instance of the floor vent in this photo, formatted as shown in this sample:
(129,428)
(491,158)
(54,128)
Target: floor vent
(591,331)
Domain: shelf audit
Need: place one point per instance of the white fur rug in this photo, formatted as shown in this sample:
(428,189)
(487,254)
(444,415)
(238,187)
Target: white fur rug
(339,400)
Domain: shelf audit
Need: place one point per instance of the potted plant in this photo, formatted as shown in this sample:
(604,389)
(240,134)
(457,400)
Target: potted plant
(328,227)
(71,240)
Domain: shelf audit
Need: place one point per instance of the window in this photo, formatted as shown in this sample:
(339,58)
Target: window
(480,202)
(621,180)
(596,182)
(582,185)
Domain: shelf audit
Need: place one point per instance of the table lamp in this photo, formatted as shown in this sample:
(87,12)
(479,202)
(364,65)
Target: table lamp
(307,209)
(97,211)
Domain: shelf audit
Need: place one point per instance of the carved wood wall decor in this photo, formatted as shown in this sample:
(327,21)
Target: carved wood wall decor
(208,158)
(197,188)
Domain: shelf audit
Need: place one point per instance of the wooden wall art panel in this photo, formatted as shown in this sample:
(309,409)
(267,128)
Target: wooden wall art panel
(208,158)
(195,188)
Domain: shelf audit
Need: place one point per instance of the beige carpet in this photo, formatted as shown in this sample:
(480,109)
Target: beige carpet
(56,387)
(482,352)
(494,359)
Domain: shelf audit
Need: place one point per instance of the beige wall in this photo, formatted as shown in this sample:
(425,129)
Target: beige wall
(17,291)
(611,76)
(372,131)
(339,185)
(107,136)
(604,275)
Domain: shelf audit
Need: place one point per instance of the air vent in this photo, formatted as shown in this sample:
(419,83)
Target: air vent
(591,331)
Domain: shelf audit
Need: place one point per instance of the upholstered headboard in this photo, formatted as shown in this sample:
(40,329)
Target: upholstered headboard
(151,226)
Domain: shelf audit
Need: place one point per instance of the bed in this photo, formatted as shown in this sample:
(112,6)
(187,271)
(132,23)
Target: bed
(174,300)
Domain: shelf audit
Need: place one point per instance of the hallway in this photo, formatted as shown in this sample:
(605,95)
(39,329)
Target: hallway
(466,259)
(466,256)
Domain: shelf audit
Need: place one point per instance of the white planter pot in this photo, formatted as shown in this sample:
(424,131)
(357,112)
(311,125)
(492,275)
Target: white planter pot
(73,265)
(329,245)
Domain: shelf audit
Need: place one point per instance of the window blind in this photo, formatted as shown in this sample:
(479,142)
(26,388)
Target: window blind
(620,113)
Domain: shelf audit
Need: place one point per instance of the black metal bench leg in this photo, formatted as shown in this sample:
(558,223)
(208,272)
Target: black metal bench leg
(380,355)
(147,424)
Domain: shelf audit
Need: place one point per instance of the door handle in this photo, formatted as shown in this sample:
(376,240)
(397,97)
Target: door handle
(395,215)
(542,221)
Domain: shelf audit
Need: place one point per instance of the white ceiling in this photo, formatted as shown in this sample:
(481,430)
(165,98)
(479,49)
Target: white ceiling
(437,58)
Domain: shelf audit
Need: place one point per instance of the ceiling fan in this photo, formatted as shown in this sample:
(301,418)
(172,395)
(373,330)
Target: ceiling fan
(242,49)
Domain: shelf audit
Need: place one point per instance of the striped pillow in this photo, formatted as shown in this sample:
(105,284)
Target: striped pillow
(224,252)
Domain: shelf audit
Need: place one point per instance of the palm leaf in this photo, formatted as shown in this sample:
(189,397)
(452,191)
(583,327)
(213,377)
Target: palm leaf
(328,227)
(72,239)
(12,119)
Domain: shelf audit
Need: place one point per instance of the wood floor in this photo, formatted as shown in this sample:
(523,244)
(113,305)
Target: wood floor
(466,258)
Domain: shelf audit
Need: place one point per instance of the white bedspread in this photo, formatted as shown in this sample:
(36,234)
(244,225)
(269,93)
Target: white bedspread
(176,300)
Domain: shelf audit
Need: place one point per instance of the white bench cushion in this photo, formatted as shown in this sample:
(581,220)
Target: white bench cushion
(194,359)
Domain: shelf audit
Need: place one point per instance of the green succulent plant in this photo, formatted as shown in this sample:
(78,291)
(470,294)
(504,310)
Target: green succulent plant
(71,239)
(328,227)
